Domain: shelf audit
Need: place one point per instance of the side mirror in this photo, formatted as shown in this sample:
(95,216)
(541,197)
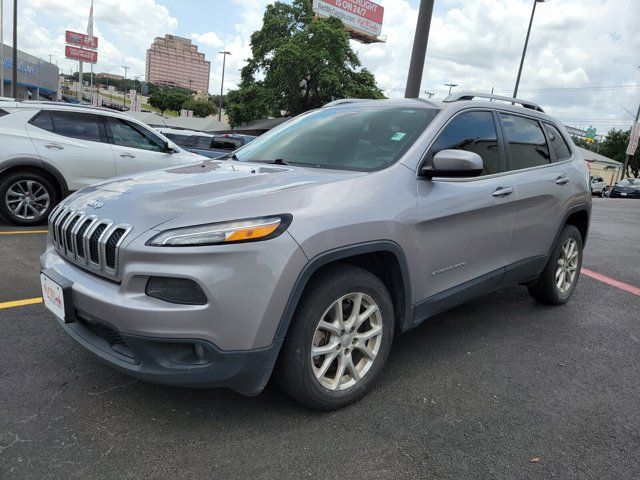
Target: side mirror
(453,163)
(168,148)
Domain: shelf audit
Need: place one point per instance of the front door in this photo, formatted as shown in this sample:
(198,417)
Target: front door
(465,224)
(136,148)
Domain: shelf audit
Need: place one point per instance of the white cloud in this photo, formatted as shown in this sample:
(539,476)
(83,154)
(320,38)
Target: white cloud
(577,44)
(574,43)
(208,38)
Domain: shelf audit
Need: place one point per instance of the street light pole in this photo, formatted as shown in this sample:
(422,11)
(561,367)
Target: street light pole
(224,58)
(14,73)
(419,51)
(450,85)
(524,50)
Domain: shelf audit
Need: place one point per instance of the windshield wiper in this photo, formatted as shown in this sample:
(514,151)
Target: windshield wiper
(277,161)
(229,156)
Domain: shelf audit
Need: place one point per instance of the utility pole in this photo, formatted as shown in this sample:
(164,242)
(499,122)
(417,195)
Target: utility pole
(524,50)
(224,58)
(1,48)
(428,93)
(419,51)
(628,157)
(14,73)
(450,85)
(124,84)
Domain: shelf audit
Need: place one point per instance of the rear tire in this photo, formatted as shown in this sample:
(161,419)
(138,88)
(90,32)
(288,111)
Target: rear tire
(559,278)
(325,324)
(26,198)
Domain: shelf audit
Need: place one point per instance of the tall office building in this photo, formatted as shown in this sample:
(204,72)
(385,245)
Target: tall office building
(175,62)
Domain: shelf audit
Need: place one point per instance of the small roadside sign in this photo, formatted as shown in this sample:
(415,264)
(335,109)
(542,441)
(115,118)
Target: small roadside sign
(633,139)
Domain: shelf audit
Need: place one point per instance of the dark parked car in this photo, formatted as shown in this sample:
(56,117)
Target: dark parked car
(212,146)
(627,188)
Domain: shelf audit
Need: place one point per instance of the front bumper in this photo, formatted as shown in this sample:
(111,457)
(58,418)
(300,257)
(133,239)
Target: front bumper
(247,287)
(173,361)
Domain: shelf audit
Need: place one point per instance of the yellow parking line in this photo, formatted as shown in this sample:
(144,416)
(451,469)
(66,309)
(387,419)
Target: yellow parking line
(22,232)
(21,303)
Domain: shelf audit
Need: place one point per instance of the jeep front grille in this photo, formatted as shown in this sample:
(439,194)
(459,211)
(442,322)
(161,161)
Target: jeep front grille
(88,241)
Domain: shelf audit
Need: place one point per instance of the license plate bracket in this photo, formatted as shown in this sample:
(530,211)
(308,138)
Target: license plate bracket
(63,308)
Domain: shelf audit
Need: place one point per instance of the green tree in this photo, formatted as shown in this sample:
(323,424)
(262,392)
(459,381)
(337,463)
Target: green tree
(298,63)
(614,146)
(200,108)
(160,100)
(168,99)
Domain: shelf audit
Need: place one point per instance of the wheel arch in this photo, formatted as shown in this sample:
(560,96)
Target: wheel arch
(579,217)
(35,165)
(384,258)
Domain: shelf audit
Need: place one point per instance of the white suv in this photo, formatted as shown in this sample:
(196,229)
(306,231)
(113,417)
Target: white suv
(49,149)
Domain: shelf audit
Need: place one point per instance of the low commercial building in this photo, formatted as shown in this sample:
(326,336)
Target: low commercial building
(605,167)
(36,77)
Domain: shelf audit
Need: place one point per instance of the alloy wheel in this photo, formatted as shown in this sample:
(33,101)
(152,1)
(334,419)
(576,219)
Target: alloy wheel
(27,199)
(346,341)
(567,265)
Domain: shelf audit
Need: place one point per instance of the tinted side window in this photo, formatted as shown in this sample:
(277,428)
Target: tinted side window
(526,141)
(82,126)
(127,134)
(203,142)
(179,139)
(43,120)
(558,144)
(3,112)
(474,132)
(226,144)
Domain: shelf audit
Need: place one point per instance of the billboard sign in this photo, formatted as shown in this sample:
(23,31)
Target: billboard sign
(633,139)
(76,53)
(360,15)
(81,39)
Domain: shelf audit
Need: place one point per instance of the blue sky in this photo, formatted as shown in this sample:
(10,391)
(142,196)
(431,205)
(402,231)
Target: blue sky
(582,62)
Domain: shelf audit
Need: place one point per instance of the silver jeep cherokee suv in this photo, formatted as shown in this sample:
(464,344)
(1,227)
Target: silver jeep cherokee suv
(305,252)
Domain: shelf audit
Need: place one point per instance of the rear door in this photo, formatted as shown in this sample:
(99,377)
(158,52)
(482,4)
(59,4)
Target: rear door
(540,162)
(136,148)
(75,143)
(465,224)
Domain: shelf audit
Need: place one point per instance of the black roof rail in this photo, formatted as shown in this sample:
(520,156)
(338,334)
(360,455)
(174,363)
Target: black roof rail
(459,96)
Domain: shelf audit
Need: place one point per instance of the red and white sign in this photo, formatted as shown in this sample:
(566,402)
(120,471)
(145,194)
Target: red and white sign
(77,53)
(361,15)
(81,39)
(633,140)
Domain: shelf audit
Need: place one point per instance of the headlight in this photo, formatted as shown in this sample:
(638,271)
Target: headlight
(239,231)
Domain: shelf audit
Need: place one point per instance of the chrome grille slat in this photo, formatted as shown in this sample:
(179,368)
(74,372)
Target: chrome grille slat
(75,235)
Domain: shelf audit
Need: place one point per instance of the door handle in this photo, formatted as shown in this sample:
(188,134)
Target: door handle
(502,191)
(54,146)
(562,180)
(128,155)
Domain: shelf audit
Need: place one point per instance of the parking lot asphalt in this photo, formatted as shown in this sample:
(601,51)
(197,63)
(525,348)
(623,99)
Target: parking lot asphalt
(501,388)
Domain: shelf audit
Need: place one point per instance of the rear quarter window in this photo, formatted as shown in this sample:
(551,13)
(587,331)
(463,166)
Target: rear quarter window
(3,112)
(558,143)
(43,120)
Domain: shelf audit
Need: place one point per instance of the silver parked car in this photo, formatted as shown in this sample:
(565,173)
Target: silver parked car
(307,251)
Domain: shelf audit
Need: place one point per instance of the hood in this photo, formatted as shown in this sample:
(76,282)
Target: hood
(149,199)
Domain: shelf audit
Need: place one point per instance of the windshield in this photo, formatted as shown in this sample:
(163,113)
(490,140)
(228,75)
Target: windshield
(346,138)
(630,182)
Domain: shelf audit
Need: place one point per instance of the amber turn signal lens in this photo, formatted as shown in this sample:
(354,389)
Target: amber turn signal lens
(251,233)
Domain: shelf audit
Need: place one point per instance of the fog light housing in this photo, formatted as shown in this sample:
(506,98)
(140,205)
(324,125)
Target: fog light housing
(175,290)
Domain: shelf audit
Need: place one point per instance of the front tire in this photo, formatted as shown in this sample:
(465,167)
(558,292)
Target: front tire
(26,198)
(339,339)
(559,278)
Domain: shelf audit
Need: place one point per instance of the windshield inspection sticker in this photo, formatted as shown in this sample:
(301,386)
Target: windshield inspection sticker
(398,136)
